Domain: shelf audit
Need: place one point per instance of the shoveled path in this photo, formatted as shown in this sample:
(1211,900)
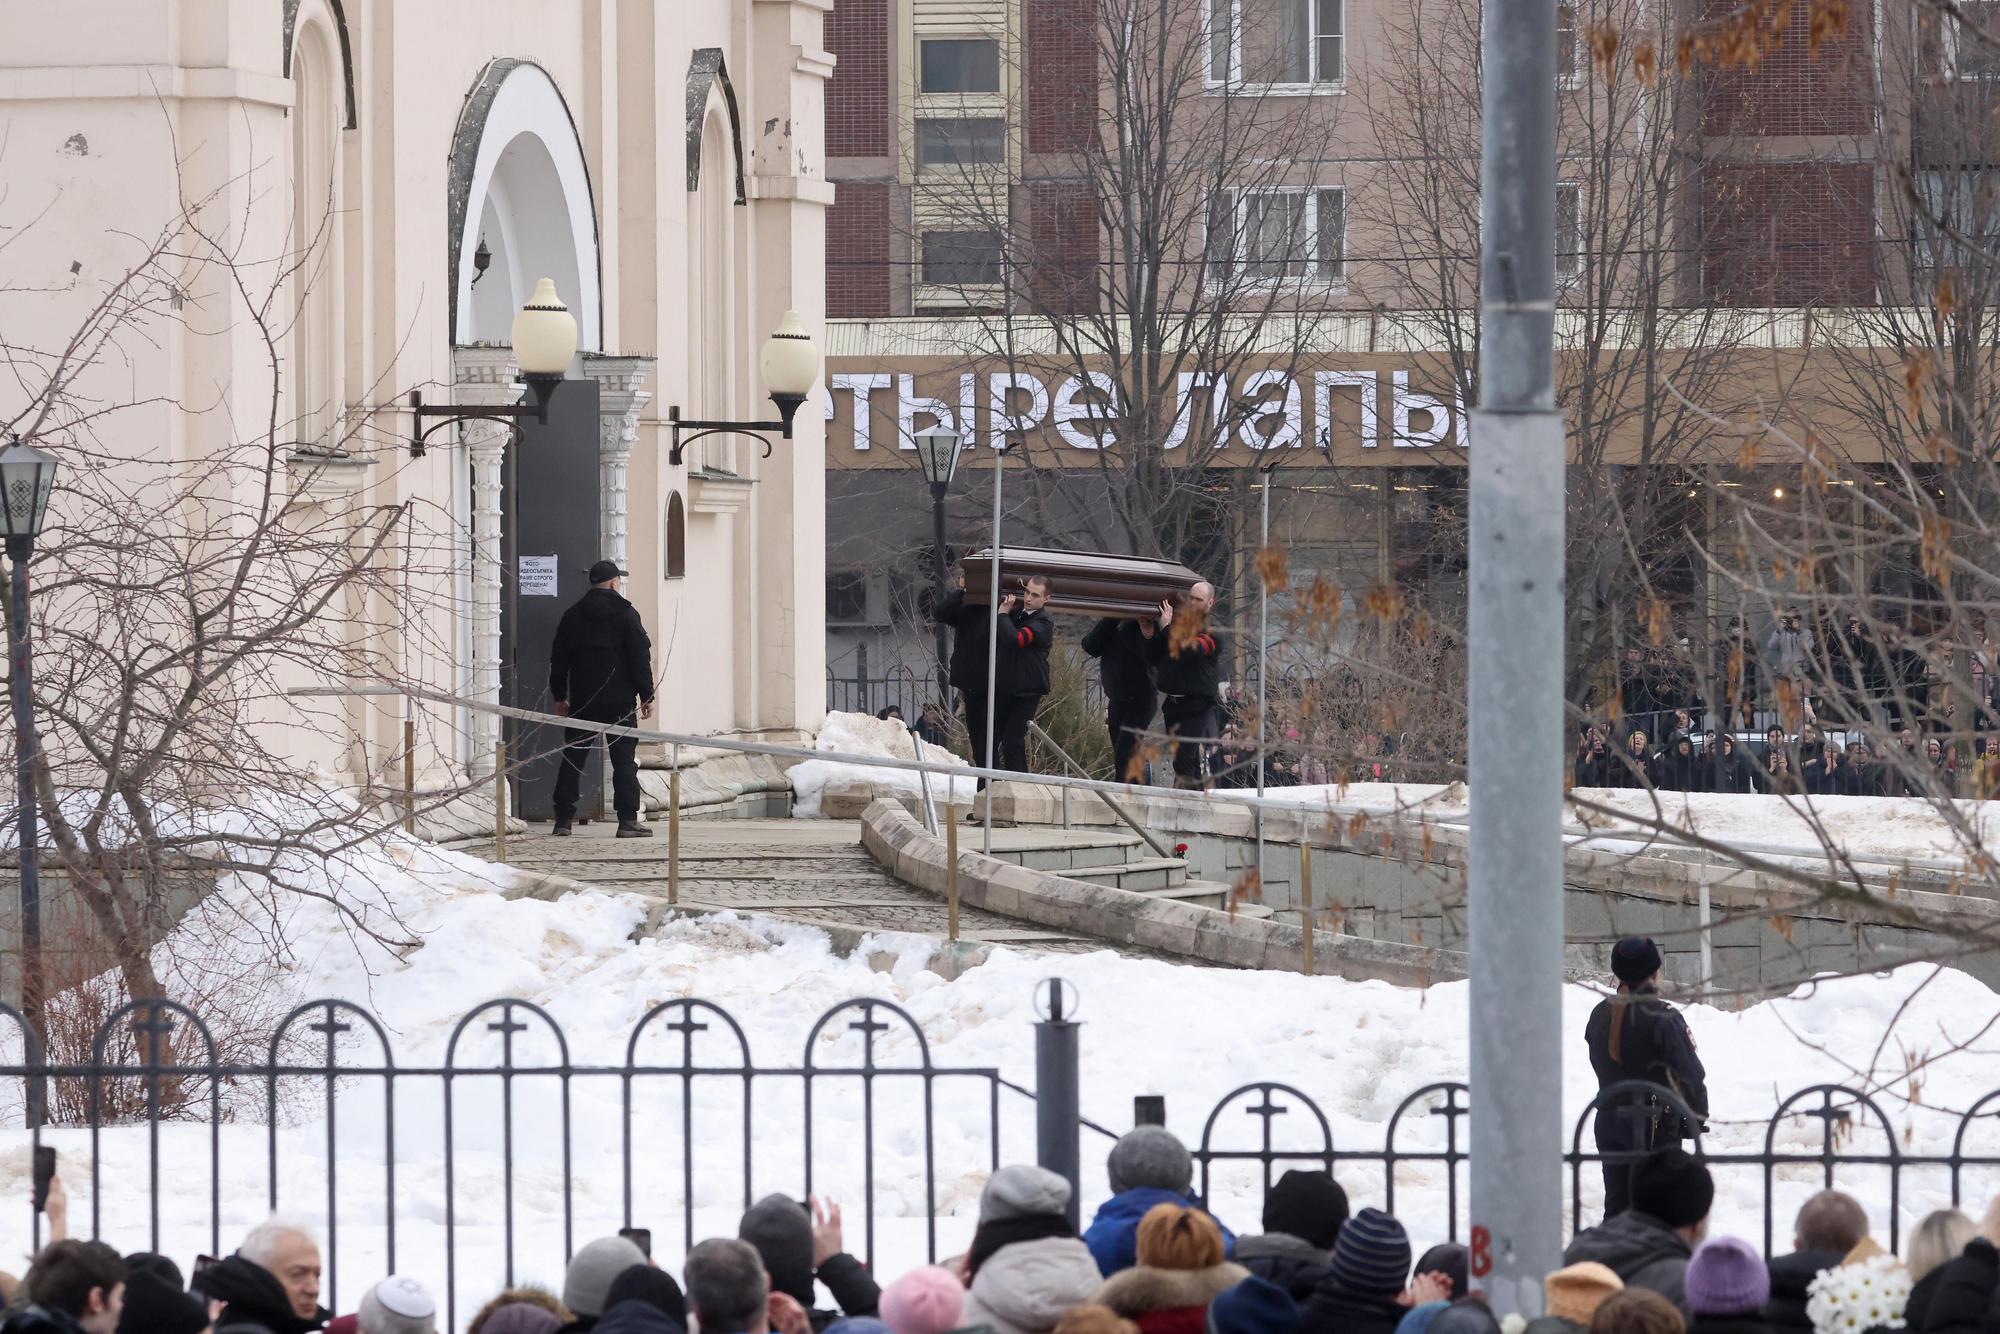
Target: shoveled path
(810,871)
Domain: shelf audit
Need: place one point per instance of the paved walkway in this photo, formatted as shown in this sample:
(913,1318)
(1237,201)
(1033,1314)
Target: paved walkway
(809,871)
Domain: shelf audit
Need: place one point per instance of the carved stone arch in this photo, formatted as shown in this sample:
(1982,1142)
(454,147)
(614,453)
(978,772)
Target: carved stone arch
(346,50)
(707,71)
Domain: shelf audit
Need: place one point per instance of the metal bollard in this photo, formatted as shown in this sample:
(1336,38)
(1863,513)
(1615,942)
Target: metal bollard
(674,831)
(1306,901)
(499,801)
(951,871)
(1058,1118)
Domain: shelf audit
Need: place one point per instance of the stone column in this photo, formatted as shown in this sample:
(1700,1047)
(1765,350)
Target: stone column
(620,400)
(483,376)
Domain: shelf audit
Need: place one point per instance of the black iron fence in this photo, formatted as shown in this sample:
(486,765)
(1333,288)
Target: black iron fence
(525,1144)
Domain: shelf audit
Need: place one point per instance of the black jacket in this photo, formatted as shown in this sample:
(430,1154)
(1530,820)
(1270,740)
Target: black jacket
(854,1291)
(1728,772)
(1334,1310)
(1124,658)
(1297,1266)
(1653,1045)
(1729,1324)
(601,663)
(1190,668)
(1917,1311)
(40,1320)
(1681,772)
(1967,1299)
(967,668)
(1791,1275)
(1597,769)
(1022,664)
(254,1302)
(637,1317)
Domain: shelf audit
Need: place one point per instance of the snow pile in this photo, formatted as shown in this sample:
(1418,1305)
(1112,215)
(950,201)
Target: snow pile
(864,734)
(1190,1033)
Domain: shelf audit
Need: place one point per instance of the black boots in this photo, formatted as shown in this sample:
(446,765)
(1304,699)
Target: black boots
(633,829)
(562,829)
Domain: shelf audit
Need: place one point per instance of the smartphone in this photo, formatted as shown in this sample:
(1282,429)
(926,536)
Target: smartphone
(642,1237)
(1149,1109)
(45,1171)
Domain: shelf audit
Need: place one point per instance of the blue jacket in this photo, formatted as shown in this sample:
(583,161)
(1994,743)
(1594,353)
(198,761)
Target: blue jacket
(1113,1236)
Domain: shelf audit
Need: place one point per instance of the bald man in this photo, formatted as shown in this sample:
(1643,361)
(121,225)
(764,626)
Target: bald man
(1187,657)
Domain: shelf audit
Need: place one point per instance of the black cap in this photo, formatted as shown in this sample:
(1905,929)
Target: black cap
(605,571)
(1673,1186)
(1634,959)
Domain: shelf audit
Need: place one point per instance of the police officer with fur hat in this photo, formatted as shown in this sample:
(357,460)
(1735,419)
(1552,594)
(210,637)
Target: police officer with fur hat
(1636,1035)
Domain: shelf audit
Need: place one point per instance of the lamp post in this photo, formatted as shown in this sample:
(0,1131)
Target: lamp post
(790,364)
(937,451)
(27,476)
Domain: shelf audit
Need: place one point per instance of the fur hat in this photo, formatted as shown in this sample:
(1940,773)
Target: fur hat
(1573,1292)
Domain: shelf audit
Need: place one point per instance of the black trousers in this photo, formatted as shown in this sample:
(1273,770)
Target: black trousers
(1195,721)
(1010,729)
(1125,719)
(975,726)
(624,751)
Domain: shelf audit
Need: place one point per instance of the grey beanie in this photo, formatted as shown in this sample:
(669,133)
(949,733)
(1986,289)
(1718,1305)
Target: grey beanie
(782,1231)
(397,1305)
(1150,1156)
(1023,1191)
(592,1269)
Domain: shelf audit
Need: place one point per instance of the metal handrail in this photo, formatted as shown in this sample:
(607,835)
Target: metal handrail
(1117,810)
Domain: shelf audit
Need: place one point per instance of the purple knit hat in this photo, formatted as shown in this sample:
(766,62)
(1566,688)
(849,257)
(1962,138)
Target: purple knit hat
(1727,1277)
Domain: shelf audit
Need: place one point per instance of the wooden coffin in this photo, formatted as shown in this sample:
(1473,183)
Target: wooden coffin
(1087,583)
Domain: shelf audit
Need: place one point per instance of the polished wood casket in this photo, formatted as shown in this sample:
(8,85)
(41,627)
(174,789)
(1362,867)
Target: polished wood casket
(1087,583)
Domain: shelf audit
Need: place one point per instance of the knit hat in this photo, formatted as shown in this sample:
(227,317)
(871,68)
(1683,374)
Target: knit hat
(1150,1156)
(1254,1306)
(927,1300)
(1308,1205)
(521,1318)
(155,1306)
(1674,1187)
(655,1287)
(1727,1277)
(1573,1292)
(781,1230)
(159,1265)
(1417,1320)
(1634,959)
(1372,1254)
(1023,1191)
(592,1269)
(1450,1259)
(398,1305)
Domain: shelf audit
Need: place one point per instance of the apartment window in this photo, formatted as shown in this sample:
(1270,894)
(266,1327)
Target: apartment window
(1568,42)
(1279,235)
(959,65)
(1569,229)
(1277,41)
(1960,209)
(847,597)
(961,259)
(945,142)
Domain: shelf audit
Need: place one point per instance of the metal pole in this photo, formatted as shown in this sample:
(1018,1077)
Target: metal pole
(1058,1115)
(499,801)
(1263,657)
(1305,898)
(19,551)
(674,830)
(409,775)
(951,871)
(1514,891)
(1707,936)
(993,635)
(943,632)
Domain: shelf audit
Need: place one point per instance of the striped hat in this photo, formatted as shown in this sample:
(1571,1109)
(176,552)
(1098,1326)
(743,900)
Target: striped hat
(1372,1254)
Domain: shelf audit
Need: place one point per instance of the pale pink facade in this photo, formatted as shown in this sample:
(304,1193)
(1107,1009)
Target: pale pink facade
(663,162)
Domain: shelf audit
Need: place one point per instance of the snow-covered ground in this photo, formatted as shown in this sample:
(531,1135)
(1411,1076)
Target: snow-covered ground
(1189,1033)
(865,734)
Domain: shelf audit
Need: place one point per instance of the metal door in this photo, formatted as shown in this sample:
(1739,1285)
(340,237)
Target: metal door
(550,522)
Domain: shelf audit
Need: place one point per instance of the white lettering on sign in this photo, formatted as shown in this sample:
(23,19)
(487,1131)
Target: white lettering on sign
(1272,423)
(1068,410)
(909,407)
(1324,383)
(538,577)
(1406,405)
(1217,387)
(1003,421)
(860,386)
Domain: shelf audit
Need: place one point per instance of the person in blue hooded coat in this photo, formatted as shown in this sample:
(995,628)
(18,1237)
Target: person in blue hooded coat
(1148,1166)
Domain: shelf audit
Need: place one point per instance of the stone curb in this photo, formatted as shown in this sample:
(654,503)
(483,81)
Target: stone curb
(1123,916)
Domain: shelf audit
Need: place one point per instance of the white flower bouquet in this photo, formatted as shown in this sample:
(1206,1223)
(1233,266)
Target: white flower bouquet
(1853,1298)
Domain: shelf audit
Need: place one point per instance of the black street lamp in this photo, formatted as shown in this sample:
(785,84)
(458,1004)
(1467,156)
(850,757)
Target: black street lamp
(790,364)
(27,476)
(544,342)
(938,450)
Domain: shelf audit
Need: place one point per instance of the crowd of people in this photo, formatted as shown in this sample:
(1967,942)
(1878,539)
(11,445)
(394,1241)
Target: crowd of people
(1152,1261)
(1814,762)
